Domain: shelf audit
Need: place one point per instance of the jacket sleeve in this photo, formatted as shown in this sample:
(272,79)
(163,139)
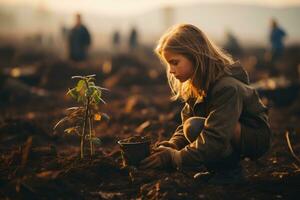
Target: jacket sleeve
(213,143)
(178,137)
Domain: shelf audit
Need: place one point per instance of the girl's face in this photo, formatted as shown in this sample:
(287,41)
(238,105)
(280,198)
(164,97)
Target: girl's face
(179,65)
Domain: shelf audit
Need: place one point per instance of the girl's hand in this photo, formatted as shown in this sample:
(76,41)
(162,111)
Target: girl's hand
(161,158)
(166,144)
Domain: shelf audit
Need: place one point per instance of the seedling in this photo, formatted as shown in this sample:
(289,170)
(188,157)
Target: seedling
(82,117)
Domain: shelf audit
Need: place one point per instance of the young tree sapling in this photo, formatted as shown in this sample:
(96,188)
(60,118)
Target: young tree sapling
(82,117)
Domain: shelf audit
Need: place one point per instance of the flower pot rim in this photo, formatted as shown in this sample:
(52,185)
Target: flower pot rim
(120,142)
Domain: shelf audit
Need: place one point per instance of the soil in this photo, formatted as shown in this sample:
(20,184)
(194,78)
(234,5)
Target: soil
(38,162)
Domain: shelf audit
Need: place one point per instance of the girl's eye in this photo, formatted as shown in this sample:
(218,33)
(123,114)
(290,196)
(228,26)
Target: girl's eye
(174,62)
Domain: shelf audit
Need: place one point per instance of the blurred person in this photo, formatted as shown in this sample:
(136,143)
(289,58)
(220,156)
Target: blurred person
(116,39)
(133,39)
(223,120)
(277,34)
(64,31)
(63,40)
(232,44)
(79,40)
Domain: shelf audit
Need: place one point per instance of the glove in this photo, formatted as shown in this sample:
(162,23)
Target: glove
(166,144)
(163,157)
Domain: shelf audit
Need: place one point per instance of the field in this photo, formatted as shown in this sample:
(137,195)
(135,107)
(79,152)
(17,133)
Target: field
(38,162)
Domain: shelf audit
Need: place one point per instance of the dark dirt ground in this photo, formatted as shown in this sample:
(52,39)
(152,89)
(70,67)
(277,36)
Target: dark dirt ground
(38,162)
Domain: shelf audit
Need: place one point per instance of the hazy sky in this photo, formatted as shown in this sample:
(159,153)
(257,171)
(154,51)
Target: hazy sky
(127,7)
(105,16)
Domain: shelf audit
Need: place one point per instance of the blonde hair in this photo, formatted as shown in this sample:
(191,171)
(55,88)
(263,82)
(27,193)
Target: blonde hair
(210,62)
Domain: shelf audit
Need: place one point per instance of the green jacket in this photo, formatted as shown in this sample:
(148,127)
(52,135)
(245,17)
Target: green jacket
(230,99)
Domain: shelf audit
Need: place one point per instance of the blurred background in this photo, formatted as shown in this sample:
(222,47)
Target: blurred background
(104,35)
(248,20)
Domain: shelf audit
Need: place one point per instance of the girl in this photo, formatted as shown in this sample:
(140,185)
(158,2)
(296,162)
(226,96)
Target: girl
(223,119)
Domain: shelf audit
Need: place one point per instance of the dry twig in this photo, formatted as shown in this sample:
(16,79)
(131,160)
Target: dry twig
(287,133)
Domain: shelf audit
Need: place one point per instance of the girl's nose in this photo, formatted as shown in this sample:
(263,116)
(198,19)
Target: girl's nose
(171,70)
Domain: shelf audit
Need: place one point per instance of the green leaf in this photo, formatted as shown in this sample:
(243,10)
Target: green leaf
(80,85)
(73,93)
(99,93)
(80,99)
(96,97)
(102,101)
(89,92)
(91,84)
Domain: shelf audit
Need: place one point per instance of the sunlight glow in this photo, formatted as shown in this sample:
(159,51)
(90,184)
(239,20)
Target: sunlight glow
(129,7)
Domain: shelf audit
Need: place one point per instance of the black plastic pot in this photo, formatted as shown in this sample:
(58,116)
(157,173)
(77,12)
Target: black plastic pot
(133,152)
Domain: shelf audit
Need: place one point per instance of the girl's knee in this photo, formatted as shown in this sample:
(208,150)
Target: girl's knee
(192,127)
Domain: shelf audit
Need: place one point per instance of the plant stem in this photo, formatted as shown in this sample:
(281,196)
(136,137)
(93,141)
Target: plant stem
(84,128)
(91,135)
(86,116)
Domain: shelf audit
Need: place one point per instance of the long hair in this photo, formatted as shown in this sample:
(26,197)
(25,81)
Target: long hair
(209,61)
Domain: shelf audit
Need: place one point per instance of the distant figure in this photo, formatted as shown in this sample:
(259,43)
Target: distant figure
(232,44)
(116,38)
(64,32)
(277,35)
(64,37)
(79,40)
(133,39)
